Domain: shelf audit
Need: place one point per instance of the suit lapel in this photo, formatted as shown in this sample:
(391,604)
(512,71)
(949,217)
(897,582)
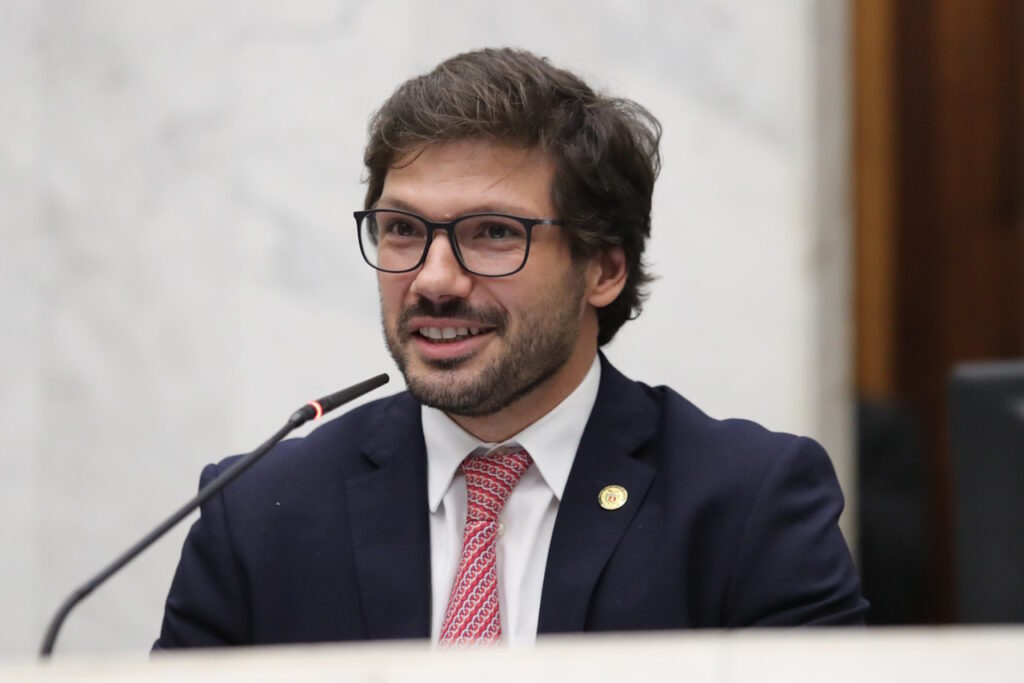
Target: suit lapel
(586,534)
(388,514)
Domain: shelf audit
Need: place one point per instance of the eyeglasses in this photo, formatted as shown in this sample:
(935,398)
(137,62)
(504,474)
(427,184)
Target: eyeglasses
(488,244)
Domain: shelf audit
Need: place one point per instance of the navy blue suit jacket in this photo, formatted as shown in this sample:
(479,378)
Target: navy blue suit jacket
(326,539)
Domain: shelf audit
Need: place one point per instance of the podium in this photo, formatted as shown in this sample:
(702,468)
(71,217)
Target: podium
(933,655)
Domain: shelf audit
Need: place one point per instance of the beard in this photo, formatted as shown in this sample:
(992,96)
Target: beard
(540,346)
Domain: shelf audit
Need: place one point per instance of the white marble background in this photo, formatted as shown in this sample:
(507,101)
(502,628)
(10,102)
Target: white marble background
(179,270)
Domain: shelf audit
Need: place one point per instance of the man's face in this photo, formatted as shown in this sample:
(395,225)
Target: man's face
(501,338)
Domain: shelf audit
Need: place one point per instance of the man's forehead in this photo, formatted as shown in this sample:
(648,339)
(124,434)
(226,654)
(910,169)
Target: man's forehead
(454,178)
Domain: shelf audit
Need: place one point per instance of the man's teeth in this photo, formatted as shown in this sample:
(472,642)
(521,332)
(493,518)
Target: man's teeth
(448,332)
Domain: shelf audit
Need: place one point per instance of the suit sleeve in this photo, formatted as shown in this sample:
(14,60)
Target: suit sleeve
(207,605)
(792,564)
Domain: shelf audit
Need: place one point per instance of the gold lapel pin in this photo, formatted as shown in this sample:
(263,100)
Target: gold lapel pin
(612,497)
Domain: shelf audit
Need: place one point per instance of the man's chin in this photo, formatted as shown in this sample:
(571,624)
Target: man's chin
(452,372)
(449,395)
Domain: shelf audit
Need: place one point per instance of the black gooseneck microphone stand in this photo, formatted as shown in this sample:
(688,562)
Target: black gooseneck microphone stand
(311,411)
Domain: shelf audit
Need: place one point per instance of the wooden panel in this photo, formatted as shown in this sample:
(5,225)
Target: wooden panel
(959,159)
(874,196)
(939,194)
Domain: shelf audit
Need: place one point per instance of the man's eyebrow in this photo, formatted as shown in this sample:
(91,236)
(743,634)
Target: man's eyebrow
(388,203)
(396,203)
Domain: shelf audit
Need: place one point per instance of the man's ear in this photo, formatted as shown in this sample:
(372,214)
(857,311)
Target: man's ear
(606,276)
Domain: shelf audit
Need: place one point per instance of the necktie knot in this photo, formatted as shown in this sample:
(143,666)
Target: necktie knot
(490,479)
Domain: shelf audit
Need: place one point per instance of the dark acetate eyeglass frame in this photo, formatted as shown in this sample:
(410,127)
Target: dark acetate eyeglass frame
(449,228)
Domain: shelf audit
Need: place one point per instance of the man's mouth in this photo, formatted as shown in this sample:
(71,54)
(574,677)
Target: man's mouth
(450,334)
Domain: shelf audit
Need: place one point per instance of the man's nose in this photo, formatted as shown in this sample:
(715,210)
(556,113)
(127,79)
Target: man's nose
(441,276)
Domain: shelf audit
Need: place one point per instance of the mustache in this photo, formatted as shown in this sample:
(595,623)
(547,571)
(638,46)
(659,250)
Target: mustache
(452,308)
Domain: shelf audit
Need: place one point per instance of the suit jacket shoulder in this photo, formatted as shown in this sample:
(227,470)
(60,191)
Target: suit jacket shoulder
(726,523)
(324,539)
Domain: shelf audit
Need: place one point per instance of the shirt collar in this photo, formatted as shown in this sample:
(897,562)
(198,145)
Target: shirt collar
(551,441)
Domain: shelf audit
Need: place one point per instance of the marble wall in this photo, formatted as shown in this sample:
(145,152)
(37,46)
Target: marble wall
(179,269)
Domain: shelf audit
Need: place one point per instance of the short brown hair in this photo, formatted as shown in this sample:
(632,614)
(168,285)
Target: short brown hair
(605,149)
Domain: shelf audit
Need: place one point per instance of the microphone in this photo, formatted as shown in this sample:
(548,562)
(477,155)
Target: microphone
(311,411)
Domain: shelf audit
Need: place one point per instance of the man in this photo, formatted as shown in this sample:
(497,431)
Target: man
(522,485)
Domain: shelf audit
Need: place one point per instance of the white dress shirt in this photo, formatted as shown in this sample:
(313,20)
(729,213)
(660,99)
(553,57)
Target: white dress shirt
(528,519)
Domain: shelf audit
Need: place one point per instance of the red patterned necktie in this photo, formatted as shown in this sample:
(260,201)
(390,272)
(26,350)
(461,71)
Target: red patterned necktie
(472,615)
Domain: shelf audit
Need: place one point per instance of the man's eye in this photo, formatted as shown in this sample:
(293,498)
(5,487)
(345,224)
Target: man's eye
(401,229)
(499,231)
